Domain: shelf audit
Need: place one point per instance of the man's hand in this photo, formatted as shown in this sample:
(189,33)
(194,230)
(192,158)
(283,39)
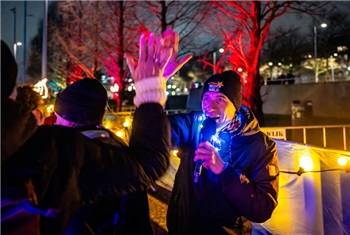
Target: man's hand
(210,157)
(150,63)
(171,43)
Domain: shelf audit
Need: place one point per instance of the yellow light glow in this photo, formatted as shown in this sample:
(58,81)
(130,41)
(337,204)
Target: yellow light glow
(306,163)
(342,161)
(120,134)
(49,108)
(174,152)
(126,123)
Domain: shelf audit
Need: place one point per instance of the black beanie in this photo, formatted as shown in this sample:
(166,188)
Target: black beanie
(82,102)
(227,83)
(8,71)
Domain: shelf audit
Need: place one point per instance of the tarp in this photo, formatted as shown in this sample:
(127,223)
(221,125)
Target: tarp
(314,203)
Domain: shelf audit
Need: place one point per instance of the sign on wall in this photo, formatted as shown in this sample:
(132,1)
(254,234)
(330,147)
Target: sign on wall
(276,133)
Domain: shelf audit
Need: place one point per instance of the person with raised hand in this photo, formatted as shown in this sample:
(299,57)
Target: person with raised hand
(53,172)
(225,178)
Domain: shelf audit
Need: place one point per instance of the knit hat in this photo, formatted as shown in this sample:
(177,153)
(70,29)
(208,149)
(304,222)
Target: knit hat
(82,102)
(8,71)
(227,83)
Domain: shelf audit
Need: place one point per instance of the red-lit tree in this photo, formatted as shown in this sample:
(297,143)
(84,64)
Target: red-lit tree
(120,35)
(244,25)
(92,40)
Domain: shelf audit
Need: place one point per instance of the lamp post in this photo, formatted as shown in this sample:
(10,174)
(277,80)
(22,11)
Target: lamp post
(323,25)
(221,50)
(14,31)
(270,64)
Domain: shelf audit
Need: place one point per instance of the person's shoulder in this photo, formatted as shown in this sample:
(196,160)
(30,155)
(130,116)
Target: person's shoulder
(58,131)
(186,117)
(58,128)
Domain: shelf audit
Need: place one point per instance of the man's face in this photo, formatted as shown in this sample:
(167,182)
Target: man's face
(216,104)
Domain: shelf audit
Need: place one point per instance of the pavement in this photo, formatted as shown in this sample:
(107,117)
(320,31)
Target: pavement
(157,199)
(159,196)
(158,215)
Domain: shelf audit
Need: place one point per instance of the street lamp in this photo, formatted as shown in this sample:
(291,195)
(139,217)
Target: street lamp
(15,45)
(221,50)
(323,25)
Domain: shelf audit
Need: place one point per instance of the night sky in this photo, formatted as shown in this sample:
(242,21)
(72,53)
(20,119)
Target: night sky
(35,13)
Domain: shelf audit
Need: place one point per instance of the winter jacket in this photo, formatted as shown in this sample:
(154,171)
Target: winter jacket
(113,214)
(247,187)
(68,170)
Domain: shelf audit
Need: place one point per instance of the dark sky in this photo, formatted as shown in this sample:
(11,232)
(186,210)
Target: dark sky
(35,14)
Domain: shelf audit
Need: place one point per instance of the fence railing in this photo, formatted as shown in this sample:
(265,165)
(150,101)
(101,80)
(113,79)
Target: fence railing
(328,136)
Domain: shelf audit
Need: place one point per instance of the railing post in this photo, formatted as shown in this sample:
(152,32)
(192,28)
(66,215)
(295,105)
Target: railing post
(344,137)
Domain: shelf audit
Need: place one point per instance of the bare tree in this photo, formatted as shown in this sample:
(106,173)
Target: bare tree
(187,18)
(244,26)
(88,39)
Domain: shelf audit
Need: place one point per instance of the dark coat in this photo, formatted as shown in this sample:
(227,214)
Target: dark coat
(69,170)
(247,187)
(114,213)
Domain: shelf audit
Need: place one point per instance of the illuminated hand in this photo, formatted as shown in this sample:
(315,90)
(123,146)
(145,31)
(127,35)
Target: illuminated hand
(211,158)
(149,64)
(171,43)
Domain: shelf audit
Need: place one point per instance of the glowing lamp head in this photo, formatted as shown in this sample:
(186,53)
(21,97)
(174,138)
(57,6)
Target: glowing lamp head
(342,161)
(306,163)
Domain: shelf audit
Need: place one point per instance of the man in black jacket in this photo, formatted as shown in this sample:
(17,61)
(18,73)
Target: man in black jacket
(82,106)
(228,168)
(51,172)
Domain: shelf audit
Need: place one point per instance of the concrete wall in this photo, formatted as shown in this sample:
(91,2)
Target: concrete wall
(328,99)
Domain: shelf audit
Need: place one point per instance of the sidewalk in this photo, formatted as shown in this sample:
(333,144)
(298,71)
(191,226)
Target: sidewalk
(158,208)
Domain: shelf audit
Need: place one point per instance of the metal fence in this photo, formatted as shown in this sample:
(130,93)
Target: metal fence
(328,136)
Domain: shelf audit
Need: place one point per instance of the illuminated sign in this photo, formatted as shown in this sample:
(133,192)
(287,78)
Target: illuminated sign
(41,88)
(276,133)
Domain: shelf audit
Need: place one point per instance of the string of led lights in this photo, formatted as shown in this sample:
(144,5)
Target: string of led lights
(302,171)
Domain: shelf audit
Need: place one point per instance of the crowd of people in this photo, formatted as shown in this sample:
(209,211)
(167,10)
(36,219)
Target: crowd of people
(77,177)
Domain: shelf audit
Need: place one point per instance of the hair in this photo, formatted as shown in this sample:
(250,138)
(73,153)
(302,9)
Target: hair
(28,98)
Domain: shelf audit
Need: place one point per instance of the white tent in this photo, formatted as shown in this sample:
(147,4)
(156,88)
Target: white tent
(313,203)
(316,202)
